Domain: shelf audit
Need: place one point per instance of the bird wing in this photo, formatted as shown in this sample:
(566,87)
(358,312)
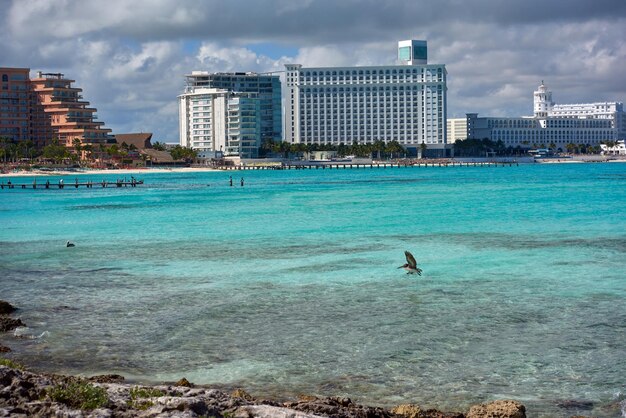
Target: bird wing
(410,259)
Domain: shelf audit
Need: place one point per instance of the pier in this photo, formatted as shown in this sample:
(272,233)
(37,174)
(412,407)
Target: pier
(70,185)
(349,166)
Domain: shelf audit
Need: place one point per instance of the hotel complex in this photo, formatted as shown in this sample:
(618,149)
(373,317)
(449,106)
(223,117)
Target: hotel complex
(344,105)
(553,126)
(230,113)
(47,107)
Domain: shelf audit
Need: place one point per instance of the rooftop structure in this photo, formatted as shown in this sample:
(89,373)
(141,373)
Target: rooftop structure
(139,140)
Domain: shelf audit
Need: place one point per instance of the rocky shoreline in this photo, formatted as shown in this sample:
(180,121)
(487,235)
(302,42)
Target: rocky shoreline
(24,393)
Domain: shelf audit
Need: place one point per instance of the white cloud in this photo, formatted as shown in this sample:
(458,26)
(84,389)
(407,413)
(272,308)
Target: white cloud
(130,57)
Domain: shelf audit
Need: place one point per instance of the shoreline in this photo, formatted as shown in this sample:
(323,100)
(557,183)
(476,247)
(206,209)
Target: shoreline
(152,170)
(92,171)
(30,392)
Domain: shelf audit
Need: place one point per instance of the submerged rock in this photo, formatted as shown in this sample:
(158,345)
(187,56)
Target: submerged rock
(575,404)
(8,324)
(6,308)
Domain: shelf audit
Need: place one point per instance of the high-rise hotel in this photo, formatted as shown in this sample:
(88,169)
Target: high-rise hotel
(230,113)
(344,105)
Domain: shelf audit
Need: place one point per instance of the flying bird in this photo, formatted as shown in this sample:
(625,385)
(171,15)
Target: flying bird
(411,264)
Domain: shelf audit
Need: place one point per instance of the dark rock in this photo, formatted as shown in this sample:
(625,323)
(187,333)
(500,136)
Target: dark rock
(338,408)
(242,394)
(107,378)
(6,308)
(184,382)
(414,411)
(435,413)
(8,324)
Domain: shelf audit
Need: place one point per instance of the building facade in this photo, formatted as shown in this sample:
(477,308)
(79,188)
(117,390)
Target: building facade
(553,126)
(344,105)
(456,129)
(220,121)
(264,88)
(16,100)
(47,107)
(71,119)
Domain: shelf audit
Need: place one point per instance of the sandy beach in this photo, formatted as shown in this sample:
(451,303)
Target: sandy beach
(91,172)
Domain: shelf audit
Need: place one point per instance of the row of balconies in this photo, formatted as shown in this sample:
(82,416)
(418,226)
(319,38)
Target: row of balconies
(364,80)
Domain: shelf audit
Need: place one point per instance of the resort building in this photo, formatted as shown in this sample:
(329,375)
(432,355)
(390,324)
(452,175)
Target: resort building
(456,129)
(15,102)
(47,107)
(346,105)
(72,121)
(233,113)
(554,126)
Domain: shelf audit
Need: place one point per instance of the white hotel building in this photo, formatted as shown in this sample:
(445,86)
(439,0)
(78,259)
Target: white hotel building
(553,125)
(344,105)
(229,113)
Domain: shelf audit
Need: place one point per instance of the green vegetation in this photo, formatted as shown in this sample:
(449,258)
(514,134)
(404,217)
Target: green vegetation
(183,153)
(56,152)
(79,394)
(10,363)
(378,149)
(139,397)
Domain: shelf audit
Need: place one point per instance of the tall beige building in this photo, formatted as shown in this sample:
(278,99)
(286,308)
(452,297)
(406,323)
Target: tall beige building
(456,129)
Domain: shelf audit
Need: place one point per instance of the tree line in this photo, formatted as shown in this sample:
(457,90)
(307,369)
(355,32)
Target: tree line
(379,149)
(472,147)
(13,151)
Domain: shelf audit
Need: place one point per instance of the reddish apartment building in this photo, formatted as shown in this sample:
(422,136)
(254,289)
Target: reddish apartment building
(47,107)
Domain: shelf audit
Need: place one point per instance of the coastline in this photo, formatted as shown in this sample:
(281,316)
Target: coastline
(32,393)
(152,170)
(91,172)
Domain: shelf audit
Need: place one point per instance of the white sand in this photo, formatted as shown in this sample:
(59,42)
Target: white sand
(91,172)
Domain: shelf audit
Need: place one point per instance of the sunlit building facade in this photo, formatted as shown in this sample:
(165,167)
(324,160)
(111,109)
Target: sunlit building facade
(344,105)
(71,118)
(47,107)
(230,113)
(554,126)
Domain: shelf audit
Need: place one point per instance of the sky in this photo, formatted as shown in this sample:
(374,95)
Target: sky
(130,57)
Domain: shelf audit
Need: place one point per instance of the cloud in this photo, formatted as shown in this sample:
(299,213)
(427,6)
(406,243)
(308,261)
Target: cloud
(130,58)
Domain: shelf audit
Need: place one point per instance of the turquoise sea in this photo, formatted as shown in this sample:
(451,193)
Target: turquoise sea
(289,285)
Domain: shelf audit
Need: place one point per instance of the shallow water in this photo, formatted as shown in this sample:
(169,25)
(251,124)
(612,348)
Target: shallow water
(290,284)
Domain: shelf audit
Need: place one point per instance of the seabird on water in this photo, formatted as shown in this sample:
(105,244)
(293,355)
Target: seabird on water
(69,244)
(411,264)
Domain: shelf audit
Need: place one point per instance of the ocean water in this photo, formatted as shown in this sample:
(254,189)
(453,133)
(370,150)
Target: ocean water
(289,285)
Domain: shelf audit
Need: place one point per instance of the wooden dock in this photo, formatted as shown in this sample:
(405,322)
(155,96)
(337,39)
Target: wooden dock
(349,166)
(76,184)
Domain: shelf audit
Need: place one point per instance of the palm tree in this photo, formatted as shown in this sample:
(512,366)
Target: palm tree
(394,147)
(571,148)
(423,148)
(78,146)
